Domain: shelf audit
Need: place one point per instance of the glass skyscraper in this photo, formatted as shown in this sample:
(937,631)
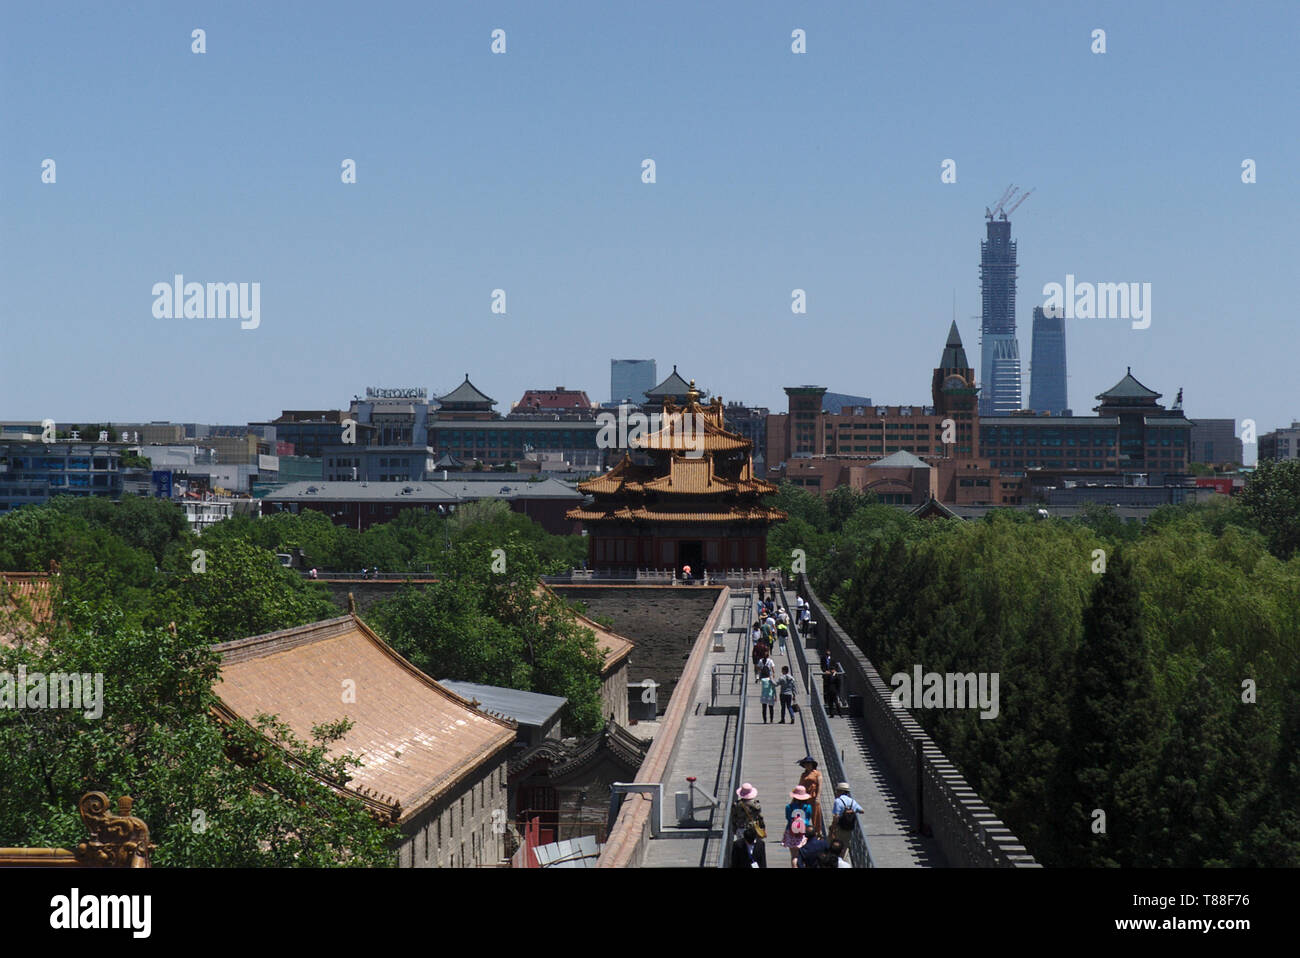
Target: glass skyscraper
(1047,391)
(630,378)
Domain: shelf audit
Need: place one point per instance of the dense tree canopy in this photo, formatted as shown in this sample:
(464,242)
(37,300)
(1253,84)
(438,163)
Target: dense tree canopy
(1149,672)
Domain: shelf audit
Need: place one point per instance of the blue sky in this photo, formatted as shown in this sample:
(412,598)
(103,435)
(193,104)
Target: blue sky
(522,172)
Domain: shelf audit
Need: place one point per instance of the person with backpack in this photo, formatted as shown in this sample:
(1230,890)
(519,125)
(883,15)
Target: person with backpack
(767,696)
(782,633)
(785,688)
(844,813)
(766,667)
(798,813)
(747,813)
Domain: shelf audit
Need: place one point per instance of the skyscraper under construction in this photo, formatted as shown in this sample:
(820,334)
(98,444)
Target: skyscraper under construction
(999,348)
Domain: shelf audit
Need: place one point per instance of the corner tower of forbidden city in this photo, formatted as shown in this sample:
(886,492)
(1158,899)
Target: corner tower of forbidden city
(694,501)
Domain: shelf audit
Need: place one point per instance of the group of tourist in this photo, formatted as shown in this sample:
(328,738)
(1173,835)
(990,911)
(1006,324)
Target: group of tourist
(809,843)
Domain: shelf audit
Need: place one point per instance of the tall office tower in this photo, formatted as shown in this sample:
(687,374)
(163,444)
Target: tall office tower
(630,378)
(999,348)
(1047,365)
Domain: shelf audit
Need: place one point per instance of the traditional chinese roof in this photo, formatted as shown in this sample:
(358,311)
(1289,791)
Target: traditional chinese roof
(674,385)
(1128,389)
(687,476)
(466,394)
(625,476)
(417,740)
(564,758)
(613,646)
(654,512)
(692,428)
(29,593)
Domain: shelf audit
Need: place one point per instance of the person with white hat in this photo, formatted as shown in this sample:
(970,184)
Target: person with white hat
(844,815)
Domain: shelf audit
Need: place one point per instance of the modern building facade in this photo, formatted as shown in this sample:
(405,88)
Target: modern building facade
(1047,377)
(1281,443)
(1215,442)
(32,472)
(1131,435)
(999,348)
(629,379)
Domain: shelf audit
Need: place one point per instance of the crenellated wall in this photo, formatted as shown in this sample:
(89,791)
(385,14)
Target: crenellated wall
(965,828)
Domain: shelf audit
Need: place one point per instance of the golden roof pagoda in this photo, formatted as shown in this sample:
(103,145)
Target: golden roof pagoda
(695,503)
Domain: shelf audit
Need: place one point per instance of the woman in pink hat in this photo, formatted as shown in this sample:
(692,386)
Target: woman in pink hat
(746,811)
(797,816)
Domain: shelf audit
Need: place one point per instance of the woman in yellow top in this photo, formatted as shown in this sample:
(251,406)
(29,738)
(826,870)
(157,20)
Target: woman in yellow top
(812,781)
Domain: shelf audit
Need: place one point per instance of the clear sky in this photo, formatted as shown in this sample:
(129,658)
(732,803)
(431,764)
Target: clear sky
(522,172)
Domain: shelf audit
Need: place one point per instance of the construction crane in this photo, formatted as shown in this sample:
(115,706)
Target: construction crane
(1023,197)
(1006,195)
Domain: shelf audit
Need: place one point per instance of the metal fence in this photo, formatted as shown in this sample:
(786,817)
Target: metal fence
(738,752)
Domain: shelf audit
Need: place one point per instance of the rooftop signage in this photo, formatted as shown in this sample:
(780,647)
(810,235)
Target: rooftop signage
(409,392)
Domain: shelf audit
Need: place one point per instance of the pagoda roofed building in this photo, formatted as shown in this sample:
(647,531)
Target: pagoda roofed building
(696,502)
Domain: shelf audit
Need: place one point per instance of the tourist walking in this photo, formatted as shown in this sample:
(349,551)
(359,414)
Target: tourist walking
(782,634)
(746,812)
(785,688)
(748,851)
(844,814)
(811,779)
(832,673)
(797,815)
(767,696)
(805,619)
(810,856)
(766,667)
(761,653)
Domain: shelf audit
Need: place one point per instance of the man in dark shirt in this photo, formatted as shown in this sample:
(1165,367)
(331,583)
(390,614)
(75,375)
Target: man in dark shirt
(747,851)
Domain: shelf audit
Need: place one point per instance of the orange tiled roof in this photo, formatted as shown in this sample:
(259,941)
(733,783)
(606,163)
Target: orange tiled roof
(625,476)
(615,646)
(417,739)
(613,512)
(693,428)
(687,476)
(30,592)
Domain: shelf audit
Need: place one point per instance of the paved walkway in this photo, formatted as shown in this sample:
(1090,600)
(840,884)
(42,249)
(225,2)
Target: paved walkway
(888,817)
(704,750)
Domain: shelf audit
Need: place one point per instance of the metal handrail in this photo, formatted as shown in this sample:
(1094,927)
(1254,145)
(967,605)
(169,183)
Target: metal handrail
(724,853)
(859,848)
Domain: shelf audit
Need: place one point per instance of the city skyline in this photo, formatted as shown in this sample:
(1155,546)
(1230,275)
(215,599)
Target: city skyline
(477,172)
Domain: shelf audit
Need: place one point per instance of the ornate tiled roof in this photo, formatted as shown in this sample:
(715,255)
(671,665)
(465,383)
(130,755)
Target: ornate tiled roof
(466,393)
(1128,388)
(416,739)
(660,513)
(693,428)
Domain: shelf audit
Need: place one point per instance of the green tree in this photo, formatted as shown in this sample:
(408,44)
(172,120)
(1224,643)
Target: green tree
(213,796)
(1106,763)
(1272,499)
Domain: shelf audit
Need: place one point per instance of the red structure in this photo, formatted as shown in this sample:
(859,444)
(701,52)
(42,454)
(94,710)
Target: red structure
(694,502)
